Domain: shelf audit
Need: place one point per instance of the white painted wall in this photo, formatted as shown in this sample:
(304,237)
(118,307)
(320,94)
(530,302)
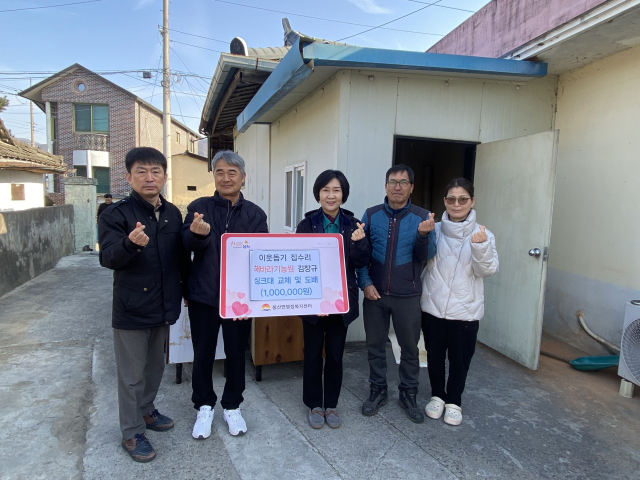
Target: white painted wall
(33,190)
(253,146)
(91,157)
(427,107)
(594,262)
(308,133)
(349,123)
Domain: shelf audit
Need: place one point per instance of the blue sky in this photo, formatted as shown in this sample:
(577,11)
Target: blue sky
(122,35)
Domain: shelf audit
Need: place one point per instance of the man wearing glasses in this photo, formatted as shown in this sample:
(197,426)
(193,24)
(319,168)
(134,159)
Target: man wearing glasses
(402,237)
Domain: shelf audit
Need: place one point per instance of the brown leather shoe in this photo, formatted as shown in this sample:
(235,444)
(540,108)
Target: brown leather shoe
(156,421)
(139,448)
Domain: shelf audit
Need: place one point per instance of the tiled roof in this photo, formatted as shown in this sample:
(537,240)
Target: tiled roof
(16,155)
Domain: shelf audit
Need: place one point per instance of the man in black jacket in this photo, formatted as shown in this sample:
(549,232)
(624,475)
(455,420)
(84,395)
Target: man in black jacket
(140,241)
(108,200)
(207,219)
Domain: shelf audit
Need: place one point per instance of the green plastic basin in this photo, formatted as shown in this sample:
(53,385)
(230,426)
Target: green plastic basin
(595,363)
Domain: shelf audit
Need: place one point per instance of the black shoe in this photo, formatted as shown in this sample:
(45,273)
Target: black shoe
(158,422)
(407,401)
(139,448)
(377,398)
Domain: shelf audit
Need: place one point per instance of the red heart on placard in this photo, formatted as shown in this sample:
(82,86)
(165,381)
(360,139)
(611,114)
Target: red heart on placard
(340,305)
(241,295)
(239,308)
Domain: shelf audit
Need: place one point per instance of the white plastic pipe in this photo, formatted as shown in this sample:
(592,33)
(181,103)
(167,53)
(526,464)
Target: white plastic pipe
(606,343)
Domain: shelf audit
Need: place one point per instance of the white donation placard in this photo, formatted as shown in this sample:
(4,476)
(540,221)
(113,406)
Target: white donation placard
(265,275)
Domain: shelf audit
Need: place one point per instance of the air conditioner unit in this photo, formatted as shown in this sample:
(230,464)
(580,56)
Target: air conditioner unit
(629,368)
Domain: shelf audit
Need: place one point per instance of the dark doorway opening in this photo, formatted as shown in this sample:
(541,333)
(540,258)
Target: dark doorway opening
(435,163)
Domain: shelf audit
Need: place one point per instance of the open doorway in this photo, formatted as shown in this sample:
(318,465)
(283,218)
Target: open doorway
(435,162)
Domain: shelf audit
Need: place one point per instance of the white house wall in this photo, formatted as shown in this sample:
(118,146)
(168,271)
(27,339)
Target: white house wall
(33,190)
(350,123)
(308,133)
(425,106)
(595,254)
(253,146)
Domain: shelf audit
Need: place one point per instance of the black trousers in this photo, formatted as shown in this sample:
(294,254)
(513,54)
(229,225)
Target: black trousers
(455,339)
(205,324)
(331,333)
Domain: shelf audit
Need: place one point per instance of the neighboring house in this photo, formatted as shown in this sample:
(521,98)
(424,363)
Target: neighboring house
(592,49)
(21,172)
(493,120)
(93,123)
(191,179)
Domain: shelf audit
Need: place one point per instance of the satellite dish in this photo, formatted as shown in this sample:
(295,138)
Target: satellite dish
(239,47)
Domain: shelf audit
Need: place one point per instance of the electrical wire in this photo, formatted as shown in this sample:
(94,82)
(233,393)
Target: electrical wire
(390,21)
(196,46)
(49,6)
(324,19)
(199,36)
(445,6)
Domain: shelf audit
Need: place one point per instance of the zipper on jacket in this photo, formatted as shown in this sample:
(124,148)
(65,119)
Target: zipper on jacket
(393,238)
(229,216)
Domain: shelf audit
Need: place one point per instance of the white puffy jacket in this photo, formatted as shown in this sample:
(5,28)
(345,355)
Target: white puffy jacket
(452,285)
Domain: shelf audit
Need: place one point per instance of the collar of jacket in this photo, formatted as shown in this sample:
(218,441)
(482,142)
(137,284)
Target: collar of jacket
(146,205)
(316,218)
(458,230)
(401,212)
(223,202)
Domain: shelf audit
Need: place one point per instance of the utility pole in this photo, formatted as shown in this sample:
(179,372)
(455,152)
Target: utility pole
(33,142)
(166,97)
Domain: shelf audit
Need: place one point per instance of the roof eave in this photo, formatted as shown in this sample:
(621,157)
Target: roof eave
(298,65)
(226,68)
(6,164)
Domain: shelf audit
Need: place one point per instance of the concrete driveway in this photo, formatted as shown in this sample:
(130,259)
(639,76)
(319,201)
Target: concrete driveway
(58,416)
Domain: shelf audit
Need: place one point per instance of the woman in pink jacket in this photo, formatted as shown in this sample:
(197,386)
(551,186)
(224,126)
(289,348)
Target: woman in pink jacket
(453,298)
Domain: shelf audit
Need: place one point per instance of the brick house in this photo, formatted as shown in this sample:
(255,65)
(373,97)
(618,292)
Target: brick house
(93,123)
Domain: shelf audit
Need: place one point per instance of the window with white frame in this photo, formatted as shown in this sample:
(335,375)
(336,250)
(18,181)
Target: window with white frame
(294,190)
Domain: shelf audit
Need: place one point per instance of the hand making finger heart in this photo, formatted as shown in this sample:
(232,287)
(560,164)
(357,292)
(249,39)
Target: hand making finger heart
(359,233)
(479,237)
(427,226)
(138,236)
(199,226)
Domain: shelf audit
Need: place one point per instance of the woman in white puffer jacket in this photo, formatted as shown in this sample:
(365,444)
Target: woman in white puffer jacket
(453,298)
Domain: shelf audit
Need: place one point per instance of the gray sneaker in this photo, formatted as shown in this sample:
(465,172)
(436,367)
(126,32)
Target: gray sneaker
(332,417)
(316,417)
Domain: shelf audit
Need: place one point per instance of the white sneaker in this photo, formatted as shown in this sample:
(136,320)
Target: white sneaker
(202,427)
(434,408)
(236,423)
(452,414)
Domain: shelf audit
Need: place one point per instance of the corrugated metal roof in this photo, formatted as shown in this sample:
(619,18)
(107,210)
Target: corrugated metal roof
(269,53)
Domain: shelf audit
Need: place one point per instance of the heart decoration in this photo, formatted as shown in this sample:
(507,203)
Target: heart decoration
(240,309)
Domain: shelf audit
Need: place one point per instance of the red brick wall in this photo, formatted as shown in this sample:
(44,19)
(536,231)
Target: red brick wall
(131,124)
(122,124)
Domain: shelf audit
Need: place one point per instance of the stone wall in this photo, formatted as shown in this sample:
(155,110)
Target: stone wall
(32,241)
(81,193)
